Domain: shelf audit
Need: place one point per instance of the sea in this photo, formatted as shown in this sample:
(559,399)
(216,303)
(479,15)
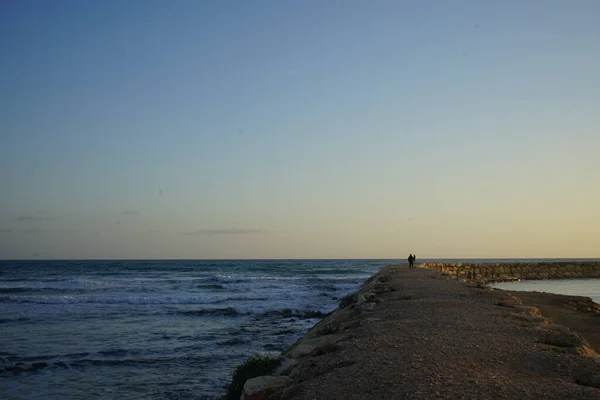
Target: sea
(163,329)
(572,287)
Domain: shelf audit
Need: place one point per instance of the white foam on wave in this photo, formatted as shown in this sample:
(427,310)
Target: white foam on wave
(112,299)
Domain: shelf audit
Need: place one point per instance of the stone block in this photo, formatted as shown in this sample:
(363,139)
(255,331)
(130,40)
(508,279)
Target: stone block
(263,387)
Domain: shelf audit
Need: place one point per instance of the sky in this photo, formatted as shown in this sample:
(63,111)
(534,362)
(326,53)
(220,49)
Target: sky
(299,129)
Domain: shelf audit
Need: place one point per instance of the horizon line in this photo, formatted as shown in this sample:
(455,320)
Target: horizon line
(298,259)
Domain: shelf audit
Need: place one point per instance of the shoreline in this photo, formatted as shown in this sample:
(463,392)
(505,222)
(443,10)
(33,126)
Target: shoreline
(419,334)
(579,313)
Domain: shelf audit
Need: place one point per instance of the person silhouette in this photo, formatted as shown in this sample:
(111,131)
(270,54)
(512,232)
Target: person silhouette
(410,261)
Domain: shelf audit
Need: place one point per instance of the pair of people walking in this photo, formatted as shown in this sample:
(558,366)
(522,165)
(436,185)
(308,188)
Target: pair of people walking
(411,261)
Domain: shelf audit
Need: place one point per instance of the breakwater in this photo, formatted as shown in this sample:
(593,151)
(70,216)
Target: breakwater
(501,272)
(412,334)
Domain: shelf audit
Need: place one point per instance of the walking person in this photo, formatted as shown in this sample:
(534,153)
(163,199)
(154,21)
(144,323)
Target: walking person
(410,261)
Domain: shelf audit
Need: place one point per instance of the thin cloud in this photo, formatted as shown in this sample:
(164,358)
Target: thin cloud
(226,232)
(5,230)
(131,212)
(22,218)
(40,231)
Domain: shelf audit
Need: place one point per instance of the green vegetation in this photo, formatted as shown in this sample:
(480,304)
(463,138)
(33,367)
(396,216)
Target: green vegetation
(253,366)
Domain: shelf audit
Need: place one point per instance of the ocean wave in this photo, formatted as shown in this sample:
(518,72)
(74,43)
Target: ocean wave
(110,362)
(289,313)
(112,299)
(233,342)
(116,353)
(87,359)
(22,367)
(254,279)
(227,311)
(42,289)
(259,311)
(134,300)
(20,364)
(211,286)
(225,279)
(71,289)
(6,320)
(137,361)
(17,289)
(342,271)
(17,359)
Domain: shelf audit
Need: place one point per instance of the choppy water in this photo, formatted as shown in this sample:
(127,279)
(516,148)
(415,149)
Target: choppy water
(155,329)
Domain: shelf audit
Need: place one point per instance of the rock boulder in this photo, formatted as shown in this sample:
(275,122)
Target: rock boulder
(264,387)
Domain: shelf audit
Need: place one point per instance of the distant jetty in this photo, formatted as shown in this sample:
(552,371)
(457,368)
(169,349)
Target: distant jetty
(502,272)
(420,334)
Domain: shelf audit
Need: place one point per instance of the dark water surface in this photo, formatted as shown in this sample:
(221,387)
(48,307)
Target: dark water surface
(154,329)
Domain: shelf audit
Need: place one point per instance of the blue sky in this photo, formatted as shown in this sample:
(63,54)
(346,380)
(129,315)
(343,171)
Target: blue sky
(314,129)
